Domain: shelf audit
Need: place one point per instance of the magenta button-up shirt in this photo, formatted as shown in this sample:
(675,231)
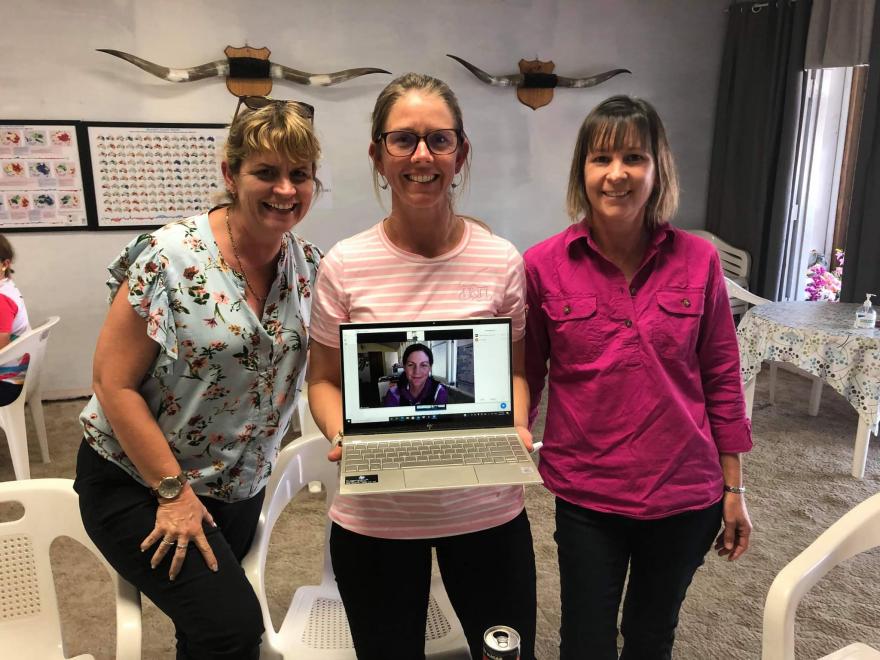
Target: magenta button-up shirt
(644,377)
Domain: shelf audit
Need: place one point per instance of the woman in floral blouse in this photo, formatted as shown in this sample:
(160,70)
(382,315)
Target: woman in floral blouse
(196,374)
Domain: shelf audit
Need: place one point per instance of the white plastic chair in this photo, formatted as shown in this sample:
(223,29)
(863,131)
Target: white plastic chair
(735,264)
(32,342)
(29,623)
(857,531)
(315,626)
(736,292)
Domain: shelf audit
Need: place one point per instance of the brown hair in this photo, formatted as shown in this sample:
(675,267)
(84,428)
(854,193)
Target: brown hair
(616,123)
(6,252)
(399,87)
(276,127)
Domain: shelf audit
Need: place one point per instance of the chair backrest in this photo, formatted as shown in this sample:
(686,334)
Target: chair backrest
(736,292)
(857,531)
(29,620)
(734,262)
(33,343)
(307,425)
(300,462)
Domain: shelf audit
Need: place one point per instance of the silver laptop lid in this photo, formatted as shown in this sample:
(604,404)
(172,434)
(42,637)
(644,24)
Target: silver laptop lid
(469,387)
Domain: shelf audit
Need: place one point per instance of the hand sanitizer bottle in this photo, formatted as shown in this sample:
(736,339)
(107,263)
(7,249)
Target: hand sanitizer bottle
(866,317)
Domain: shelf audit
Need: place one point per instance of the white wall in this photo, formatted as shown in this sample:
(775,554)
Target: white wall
(520,156)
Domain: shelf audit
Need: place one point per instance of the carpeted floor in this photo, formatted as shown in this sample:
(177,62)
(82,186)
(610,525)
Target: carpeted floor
(799,483)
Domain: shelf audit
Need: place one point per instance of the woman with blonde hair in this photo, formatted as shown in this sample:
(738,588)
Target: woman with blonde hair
(381,545)
(646,418)
(196,375)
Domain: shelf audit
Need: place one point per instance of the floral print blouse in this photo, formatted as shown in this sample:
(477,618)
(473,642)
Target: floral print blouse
(224,383)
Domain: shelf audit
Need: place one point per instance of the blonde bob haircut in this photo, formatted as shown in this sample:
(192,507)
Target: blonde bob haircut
(618,123)
(274,128)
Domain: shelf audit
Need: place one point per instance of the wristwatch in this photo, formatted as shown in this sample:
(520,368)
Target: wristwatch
(169,487)
(336,440)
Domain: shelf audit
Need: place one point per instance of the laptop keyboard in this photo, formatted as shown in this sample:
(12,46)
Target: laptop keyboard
(430,452)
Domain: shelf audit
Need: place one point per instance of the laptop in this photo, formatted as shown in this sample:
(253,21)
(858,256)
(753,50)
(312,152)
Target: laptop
(406,430)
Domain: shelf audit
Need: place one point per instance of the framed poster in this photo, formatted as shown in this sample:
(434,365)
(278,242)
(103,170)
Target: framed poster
(41,176)
(147,175)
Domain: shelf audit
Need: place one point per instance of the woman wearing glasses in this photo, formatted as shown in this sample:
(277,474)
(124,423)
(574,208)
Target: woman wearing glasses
(196,374)
(646,418)
(417,264)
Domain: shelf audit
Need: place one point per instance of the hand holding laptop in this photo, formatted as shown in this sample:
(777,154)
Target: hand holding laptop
(526,436)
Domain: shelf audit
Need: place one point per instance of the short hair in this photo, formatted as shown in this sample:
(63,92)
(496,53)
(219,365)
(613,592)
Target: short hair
(276,127)
(615,123)
(7,252)
(396,89)
(413,348)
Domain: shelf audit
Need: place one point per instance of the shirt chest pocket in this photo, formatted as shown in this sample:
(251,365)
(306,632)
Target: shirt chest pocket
(573,326)
(677,324)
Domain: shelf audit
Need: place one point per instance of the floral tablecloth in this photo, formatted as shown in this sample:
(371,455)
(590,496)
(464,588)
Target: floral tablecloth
(817,337)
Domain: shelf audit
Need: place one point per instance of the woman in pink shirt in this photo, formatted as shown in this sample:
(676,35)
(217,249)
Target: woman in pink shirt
(13,323)
(646,418)
(423,262)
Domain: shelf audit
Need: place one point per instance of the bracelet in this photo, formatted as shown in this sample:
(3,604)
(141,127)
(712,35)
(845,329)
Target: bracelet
(739,490)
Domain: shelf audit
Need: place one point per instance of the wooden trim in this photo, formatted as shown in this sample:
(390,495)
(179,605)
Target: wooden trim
(850,155)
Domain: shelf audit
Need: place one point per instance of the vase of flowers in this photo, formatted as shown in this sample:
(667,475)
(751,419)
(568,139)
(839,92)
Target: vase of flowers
(823,280)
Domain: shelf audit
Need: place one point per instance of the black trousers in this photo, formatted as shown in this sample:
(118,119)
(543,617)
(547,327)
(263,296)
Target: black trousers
(216,615)
(8,392)
(595,551)
(384,583)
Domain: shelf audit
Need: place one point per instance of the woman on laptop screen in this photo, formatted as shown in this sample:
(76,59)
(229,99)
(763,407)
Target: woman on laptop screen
(381,544)
(416,386)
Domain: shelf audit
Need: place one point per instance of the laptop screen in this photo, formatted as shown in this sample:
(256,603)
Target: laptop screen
(426,375)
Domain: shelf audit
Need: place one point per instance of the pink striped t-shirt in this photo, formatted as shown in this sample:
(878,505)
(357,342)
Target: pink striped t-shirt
(366,278)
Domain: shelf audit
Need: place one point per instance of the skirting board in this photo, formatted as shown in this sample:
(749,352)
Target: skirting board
(61,395)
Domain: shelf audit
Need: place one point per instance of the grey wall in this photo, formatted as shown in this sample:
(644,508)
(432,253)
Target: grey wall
(520,156)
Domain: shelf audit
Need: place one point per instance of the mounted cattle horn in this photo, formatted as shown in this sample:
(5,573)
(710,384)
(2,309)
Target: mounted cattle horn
(248,71)
(536,80)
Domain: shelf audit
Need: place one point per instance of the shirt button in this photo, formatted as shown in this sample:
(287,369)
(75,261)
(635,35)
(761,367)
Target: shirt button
(628,323)
(632,291)
(566,310)
(685,302)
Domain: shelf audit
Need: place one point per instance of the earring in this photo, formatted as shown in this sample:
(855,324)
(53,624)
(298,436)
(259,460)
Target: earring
(460,180)
(383,182)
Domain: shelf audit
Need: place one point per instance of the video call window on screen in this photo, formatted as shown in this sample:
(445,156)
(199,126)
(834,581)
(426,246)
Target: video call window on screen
(430,369)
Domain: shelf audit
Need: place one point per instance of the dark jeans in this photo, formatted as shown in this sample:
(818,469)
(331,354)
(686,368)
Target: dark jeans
(216,615)
(9,392)
(595,551)
(489,577)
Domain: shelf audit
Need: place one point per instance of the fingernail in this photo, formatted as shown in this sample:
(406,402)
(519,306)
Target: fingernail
(215,568)
(213,524)
(171,577)
(152,565)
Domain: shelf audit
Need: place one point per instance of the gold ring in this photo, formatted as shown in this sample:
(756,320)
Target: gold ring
(166,542)
(182,547)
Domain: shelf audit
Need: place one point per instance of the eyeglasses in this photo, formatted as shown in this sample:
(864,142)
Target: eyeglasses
(304,110)
(404,143)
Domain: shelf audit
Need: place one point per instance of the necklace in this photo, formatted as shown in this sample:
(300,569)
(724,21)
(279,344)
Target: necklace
(261,299)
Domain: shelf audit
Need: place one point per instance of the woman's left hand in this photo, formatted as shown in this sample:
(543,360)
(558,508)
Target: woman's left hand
(733,540)
(526,436)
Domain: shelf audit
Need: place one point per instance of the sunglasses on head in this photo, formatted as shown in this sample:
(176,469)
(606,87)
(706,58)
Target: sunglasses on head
(304,110)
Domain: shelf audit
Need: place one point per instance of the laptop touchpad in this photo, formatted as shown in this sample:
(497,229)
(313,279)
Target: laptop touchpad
(440,477)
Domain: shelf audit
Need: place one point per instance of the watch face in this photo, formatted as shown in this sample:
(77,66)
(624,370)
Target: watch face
(169,488)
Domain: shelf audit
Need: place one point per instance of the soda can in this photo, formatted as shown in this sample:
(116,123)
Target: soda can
(501,643)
